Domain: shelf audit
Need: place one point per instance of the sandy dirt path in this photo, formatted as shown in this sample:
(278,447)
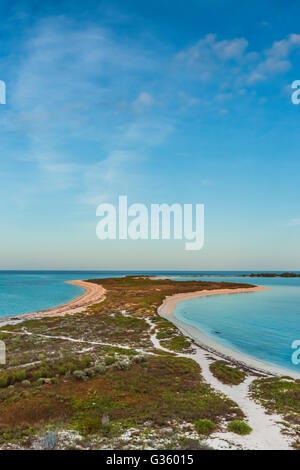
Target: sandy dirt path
(266,434)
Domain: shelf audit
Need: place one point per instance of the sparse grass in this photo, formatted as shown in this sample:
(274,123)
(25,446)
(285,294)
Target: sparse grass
(38,387)
(239,427)
(159,390)
(178,344)
(45,370)
(189,444)
(279,394)
(170,337)
(227,374)
(142,296)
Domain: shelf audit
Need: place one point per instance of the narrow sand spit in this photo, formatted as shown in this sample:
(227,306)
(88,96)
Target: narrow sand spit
(170,302)
(266,434)
(93,294)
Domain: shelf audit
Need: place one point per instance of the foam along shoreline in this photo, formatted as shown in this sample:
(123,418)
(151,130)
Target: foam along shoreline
(93,294)
(166,310)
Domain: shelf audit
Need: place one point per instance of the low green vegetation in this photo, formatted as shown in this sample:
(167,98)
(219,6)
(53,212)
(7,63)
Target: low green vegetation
(205,426)
(187,444)
(280,395)
(141,296)
(170,337)
(69,372)
(177,344)
(227,374)
(157,391)
(45,370)
(239,427)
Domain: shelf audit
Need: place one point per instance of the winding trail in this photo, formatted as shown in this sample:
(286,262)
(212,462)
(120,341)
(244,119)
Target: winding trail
(266,434)
(25,332)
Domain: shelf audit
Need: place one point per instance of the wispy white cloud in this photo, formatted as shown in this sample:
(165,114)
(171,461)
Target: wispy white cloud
(88,106)
(209,55)
(232,59)
(293,223)
(275,59)
(75,84)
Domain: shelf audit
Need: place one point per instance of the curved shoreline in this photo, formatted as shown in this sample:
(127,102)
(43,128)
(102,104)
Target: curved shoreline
(94,293)
(166,310)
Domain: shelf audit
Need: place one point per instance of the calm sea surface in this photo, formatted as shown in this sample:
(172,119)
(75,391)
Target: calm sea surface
(261,324)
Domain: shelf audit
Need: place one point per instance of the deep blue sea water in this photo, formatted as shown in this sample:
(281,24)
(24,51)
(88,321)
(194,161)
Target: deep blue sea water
(261,324)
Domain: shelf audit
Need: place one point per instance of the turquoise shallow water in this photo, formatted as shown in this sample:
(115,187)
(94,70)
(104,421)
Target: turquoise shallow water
(260,324)
(30,291)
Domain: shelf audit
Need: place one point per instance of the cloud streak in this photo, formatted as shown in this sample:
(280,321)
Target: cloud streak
(88,105)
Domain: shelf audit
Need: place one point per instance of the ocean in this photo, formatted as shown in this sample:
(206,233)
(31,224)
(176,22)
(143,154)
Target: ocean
(30,291)
(261,324)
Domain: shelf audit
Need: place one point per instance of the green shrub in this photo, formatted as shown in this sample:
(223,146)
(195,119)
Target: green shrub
(40,381)
(177,343)
(109,360)
(186,443)
(138,359)
(99,368)
(205,426)
(89,425)
(9,378)
(278,395)
(239,427)
(43,372)
(80,375)
(226,374)
(19,375)
(122,365)
(26,383)
(164,334)
(85,362)
(3,380)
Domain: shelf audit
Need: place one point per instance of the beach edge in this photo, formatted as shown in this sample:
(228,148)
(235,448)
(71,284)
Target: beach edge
(93,294)
(238,359)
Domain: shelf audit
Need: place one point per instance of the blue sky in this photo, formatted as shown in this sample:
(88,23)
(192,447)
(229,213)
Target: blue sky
(185,102)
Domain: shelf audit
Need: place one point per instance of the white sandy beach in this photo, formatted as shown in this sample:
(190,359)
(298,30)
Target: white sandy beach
(93,294)
(209,344)
(266,434)
(267,430)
